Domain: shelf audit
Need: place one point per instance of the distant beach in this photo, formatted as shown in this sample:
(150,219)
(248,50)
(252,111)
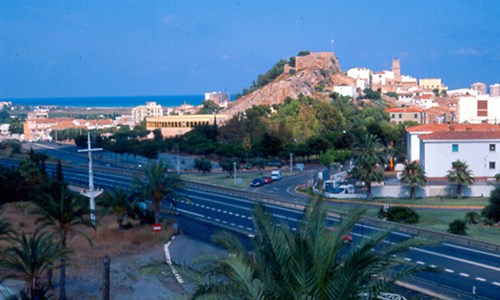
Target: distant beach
(117,101)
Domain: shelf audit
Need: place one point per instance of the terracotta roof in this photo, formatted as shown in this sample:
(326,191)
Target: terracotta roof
(455,127)
(461,135)
(437,109)
(404,109)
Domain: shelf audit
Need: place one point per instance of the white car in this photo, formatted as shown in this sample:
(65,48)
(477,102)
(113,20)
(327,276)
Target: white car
(276,175)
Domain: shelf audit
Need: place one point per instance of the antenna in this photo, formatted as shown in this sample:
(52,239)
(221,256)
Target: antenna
(91,193)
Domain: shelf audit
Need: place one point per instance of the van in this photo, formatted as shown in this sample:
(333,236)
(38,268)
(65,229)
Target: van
(276,175)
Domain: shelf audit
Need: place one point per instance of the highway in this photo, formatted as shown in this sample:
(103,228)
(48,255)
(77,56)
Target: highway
(460,269)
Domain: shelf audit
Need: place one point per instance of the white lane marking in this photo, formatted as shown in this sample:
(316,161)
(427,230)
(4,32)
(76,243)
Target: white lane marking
(217,220)
(420,262)
(224,211)
(496,283)
(250,229)
(218,210)
(249,218)
(480,279)
(457,259)
(232,224)
(433,266)
(202,206)
(231,213)
(196,204)
(464,274)
(471,250)
(236,215)
(213,208)
(449,271)
(223,221)
(407,259)
(240,226)
(190,213)
(243,217)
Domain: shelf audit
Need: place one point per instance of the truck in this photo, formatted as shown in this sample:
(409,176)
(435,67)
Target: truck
(276,175)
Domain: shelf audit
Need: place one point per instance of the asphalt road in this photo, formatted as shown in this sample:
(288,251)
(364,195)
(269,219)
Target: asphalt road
(460,269)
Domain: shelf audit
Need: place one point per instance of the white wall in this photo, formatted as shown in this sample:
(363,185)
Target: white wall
(467,107)
(436,156)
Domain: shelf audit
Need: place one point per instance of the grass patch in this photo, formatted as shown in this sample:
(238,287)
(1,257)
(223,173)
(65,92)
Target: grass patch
(439,220)
(435,201)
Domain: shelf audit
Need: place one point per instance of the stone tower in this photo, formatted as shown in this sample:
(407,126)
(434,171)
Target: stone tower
(396,68)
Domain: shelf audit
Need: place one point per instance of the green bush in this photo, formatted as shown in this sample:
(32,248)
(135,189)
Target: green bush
(472,218)
(402,214)
(457,227)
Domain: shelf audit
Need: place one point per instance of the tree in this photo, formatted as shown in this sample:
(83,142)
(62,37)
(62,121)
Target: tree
(312,263)
(118,203)
(413,175)
(460,175)
(203,165)
(208,107)
(66,214)
(369,156)
(29,257)
(159,184)
(492,211)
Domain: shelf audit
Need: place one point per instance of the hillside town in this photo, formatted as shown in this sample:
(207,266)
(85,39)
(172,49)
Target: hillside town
(454,121)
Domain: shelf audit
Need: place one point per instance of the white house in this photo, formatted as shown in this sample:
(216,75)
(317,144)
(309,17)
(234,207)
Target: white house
(479,109)
(479,149)
(346,90)
(363,77)
(413,134)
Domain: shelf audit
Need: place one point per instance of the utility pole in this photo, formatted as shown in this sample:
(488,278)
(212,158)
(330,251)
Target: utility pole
(291,162)
(234,171)
(91,193)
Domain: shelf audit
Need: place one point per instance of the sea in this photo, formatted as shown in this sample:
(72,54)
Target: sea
(116,101)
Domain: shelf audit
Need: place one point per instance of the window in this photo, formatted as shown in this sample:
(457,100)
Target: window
(482,108)
(415,116)
(393,116)
(492,165)
(492,147)
(400,116)
(454,147)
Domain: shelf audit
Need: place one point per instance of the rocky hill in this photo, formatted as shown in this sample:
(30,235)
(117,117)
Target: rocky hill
(313,75)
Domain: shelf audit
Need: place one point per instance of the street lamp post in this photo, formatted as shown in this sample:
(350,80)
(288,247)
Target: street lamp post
(291,162)
(91,193)
(234,171)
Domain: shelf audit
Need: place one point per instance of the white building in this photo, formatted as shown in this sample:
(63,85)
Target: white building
(346,90)
(219,98)
(363,77)
(151,109)
(413,134)
(479,109)
(4,131)
(479,149)
(462,92)
(495,90)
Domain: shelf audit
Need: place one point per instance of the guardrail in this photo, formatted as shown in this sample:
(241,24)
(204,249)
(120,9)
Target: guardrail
(441,236)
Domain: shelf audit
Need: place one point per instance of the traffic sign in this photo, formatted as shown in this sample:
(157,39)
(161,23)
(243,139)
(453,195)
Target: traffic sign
(157,227)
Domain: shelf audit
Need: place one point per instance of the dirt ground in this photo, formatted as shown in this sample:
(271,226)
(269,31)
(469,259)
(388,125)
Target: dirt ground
(129,250)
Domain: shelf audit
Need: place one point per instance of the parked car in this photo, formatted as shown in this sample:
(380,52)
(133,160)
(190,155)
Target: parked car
(257,182)
(276,175)
(267,179)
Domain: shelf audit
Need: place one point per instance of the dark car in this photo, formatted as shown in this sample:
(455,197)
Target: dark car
(267,179)
(257,182)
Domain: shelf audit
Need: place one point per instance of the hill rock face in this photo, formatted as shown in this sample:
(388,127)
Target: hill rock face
(318,69)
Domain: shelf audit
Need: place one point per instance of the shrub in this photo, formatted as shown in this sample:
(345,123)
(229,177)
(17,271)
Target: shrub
(457,227)
(472,218)
(402,214)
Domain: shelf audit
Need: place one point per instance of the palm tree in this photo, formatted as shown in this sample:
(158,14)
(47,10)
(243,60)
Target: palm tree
(29,257)
(413,175)
(311,263)
(158,184)
(460,175)
(119,203)
(367,170)
(369,158)
(66,215)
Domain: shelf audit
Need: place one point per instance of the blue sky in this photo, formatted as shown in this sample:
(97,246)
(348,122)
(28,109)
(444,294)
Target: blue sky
(126,48)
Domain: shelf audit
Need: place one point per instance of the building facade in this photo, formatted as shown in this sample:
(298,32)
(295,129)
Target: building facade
(479,87)
(495,90)
(401,114)
(219,98)
(479,149)
(178,125)
(430,84)
(479,109)
(151,109)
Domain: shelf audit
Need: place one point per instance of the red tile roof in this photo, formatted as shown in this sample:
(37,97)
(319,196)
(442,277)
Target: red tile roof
(455,127)
(461,135)
(404,109)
